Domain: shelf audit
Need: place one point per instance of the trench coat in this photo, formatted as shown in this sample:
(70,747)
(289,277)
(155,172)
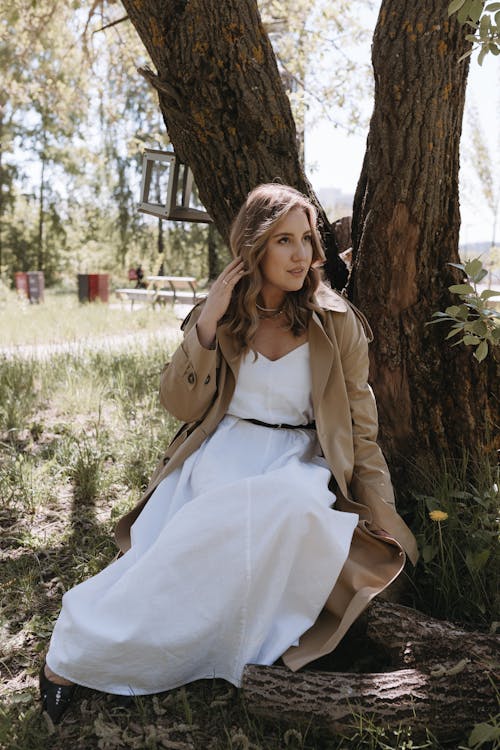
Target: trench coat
(196,388)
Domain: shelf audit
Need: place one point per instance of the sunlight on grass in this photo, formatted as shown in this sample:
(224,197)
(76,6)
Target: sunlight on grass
(80,434)
(61,318)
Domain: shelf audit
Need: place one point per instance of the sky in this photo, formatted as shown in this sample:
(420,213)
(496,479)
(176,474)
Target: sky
(334,158)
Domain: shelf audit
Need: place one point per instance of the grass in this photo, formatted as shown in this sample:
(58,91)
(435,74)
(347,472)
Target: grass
(61,318)
(457,508)
(80,434)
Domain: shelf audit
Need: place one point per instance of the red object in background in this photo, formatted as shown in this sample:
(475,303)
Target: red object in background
(132,274)
(103,286)
(21,281)
(93,286)
(30,284)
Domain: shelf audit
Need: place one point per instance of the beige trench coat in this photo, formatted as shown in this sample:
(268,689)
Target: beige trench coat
(197,386)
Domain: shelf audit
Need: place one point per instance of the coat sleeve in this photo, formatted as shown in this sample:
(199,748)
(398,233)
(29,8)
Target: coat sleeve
(189,381)
(370,478)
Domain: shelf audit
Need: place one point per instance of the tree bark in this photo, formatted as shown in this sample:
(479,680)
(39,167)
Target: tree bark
(432,398)
(450,687)
(413,639)
(447,705)
(224,104)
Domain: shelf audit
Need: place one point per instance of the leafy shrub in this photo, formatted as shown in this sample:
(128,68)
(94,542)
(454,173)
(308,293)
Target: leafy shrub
(473,320)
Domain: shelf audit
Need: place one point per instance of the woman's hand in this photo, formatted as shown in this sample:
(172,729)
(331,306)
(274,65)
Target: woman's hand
(217,301)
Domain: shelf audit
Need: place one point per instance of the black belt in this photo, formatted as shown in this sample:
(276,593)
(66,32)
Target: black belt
(310,426)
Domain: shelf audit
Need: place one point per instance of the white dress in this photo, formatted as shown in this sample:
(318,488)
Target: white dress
(232,557)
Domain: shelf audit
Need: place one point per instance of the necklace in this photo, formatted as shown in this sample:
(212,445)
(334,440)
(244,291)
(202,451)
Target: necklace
(269,312)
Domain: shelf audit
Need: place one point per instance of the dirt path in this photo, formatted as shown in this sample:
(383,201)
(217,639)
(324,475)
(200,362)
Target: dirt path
(167,336)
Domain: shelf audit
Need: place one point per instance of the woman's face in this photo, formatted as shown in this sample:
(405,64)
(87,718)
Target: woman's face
(288,257)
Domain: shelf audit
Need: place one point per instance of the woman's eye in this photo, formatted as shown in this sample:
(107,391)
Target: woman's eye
(283,240)
(308,238)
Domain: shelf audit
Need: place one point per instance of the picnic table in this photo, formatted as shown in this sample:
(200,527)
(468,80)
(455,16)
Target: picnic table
(175,287)
(163,288)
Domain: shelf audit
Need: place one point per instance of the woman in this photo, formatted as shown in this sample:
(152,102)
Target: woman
(240,552)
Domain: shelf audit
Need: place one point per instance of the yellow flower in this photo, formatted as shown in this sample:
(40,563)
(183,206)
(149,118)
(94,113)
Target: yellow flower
(438,515)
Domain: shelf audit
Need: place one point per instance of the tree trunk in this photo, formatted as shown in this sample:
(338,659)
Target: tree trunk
(213,265)
(223,103)
(450,688)
(432,398)
(1,190)
(41,220)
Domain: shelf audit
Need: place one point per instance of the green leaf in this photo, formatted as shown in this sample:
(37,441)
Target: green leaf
(489,293)
(454,331)
(483,733)
(481,351)
(492,7)
(482,55)
(463,16)
(453,310)
(464,312)
(485,27)
(480,328)
(461,289)
(431,503)
(475,10)
(493,47)
(429,552)
(457,265)
(480,276)
(454,6)
(470,340)
(472,267)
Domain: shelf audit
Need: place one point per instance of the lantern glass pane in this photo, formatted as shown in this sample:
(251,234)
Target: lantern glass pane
(194,200)
(158,187)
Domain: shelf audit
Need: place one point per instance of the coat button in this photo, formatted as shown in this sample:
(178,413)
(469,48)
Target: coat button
(207,380)
(191,377)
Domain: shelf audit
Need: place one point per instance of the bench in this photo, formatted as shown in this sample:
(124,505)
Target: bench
(134,295)
(181,289)
(176,288)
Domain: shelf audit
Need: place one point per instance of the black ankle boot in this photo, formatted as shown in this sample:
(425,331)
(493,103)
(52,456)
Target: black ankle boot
(55,698)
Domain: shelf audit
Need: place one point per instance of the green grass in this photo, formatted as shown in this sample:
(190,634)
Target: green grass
(79,437)
(458,574)
(61,318)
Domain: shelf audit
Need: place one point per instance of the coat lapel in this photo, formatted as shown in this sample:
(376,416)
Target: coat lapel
(228,350)
(322,356)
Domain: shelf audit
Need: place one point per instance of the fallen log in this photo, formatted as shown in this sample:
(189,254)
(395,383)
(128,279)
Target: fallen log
(453,688)
(412,638)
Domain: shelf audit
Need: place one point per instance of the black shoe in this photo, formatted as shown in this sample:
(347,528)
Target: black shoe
(55,698)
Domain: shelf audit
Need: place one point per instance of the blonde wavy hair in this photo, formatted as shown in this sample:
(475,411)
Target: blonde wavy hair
(264,207)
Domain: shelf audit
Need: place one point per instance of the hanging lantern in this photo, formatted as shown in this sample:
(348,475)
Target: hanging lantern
(167,188)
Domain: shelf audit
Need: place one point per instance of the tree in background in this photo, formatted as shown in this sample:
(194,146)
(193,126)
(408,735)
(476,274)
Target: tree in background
(43,105)
(486,166)
(228,117)
(69,154)
(309,40)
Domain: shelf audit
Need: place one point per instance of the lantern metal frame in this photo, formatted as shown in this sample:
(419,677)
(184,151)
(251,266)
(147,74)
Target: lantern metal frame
(170,209)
